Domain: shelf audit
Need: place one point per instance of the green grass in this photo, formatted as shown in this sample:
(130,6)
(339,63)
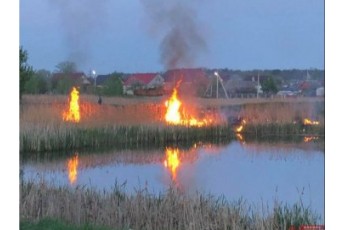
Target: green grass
(54,224)
(55,139)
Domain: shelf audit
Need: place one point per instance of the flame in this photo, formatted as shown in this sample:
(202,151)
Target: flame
(172,161)
(173,105)
(308,139)
(307,121)
(174,116)
(241,127)
(72,166)
(72,114)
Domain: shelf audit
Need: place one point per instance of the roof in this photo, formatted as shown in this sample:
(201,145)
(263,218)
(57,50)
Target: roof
(100,79)
(185,75)
(141,78)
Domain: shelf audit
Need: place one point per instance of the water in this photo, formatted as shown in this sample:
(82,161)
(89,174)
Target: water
(260,173)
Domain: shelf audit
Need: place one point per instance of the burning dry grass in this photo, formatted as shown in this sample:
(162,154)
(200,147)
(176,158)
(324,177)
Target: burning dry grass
(141,123)
(278,112)
(172,210)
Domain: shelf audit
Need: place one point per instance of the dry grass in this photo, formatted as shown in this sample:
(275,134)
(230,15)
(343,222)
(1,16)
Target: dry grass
(171,210)
(140,121)
(150,110)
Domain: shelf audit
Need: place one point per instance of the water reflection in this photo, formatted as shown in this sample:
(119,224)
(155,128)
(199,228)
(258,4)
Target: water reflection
(240,138)
(274,169)
(72,167)
(172,161)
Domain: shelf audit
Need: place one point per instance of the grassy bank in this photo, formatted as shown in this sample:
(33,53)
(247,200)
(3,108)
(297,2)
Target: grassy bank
(73,137)
(171,210)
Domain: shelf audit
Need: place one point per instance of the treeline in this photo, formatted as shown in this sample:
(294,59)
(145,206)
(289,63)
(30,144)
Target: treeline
(44,81)
(277,74)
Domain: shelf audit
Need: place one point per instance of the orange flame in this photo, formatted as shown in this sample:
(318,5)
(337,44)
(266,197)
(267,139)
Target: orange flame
(173,105)
(173,115)
(73,169)
(308,139)
(172,161)
(72,114)
(241,127)
(307,121)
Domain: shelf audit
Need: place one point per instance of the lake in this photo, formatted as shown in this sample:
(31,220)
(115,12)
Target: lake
(258,172)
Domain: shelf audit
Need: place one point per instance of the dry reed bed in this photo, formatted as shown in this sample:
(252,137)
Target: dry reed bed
(141,125)
(141,210)
(48,99)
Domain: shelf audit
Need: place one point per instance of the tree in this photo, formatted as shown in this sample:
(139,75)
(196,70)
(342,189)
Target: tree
(113,86)
(64,85)
(66,67)
(269,86)
(36,85)
(25,70)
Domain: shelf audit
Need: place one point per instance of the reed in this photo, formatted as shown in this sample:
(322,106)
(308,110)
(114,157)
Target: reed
(75,137)
(140,124)
(142,210)
(57,138)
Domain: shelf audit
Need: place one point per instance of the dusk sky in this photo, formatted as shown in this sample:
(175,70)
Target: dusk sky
(128,36)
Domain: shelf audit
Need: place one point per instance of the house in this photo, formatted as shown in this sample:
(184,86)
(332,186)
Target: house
(144,84)
(237,86)
(308,87)
(77,79)
(320,92)
(101,79)
(191,81)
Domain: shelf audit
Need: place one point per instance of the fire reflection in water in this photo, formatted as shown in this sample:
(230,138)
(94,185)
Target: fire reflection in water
(240,138)
(309,139)
(172,161)
(72,166)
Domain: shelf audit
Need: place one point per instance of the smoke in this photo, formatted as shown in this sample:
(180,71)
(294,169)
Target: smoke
(177,22)
(80,21)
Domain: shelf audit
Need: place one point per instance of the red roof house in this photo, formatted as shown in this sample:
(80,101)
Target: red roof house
(191,81)
(142,81)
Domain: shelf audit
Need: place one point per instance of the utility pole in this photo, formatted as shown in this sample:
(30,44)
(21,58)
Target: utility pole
(258,86)
(210,86)
(216,73)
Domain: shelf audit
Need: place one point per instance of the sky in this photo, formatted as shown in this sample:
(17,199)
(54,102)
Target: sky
(129,36)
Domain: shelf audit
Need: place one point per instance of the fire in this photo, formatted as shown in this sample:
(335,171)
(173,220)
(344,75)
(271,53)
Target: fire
(174,116)
(72,114)
(172,161)
(72,166)
(307,121)
(173,105)
(308,139)
(241,127)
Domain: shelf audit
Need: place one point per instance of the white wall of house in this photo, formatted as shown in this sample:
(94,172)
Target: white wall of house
(157,81)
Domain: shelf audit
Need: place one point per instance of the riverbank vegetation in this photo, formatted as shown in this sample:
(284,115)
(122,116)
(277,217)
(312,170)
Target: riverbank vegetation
(141,124)
(141,210)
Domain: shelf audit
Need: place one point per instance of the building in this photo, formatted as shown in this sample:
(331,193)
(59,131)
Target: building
(144,84)
(190,81)
(64,81)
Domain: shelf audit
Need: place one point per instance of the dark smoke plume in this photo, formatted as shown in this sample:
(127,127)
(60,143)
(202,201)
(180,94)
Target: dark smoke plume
(182,40)
(80,22)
